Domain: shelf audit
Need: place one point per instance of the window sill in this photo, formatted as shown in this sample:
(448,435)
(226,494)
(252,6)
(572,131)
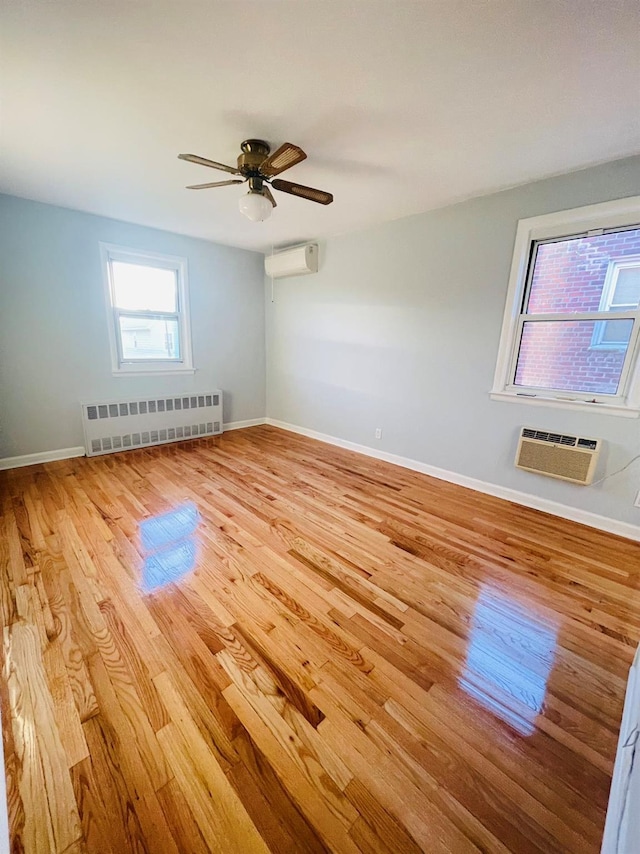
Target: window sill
(576,405)
(151,373)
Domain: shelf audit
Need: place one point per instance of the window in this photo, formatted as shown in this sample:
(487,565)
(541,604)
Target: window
(147,303)
(621,292)
(572,322)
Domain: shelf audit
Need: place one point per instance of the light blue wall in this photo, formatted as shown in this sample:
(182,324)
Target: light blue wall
(54,346)
(400,330)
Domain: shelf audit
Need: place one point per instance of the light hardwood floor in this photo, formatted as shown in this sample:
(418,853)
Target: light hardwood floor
(307,651)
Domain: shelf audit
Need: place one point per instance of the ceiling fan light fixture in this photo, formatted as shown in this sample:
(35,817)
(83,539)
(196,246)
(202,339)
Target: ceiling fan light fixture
(255,206)
(258,167)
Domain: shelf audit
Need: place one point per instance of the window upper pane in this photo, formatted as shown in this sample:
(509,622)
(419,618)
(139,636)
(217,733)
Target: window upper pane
(558,354)
(142,288)
(569,275)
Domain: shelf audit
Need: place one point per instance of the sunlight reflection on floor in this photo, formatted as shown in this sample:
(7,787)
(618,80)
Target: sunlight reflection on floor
(169,545)
(510,657)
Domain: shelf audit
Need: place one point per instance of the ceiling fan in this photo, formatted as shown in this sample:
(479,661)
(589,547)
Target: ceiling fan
(258,167)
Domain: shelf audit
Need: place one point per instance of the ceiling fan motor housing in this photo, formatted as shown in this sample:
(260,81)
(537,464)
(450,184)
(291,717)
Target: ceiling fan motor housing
(254,151)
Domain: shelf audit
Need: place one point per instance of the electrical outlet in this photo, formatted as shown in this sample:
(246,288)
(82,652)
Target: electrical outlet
(636,503)
(378,432)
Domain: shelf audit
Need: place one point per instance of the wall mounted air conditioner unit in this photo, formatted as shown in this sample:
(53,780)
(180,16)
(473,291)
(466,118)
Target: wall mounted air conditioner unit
(557,455)
(292,262)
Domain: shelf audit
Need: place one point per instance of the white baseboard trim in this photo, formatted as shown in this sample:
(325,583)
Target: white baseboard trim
(79,451)
(42,457)
(240,425)
(555,508)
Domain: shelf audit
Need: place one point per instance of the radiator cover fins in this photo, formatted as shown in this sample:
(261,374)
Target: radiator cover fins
(118,425)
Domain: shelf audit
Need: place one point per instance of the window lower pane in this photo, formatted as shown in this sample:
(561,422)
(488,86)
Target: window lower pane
(561,355)
(149,338)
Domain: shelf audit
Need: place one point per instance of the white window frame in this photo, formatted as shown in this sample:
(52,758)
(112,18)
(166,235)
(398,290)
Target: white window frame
(144,367)
(585,221)
(608,292)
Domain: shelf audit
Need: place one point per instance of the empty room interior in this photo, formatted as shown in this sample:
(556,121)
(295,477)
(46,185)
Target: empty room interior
(319,426)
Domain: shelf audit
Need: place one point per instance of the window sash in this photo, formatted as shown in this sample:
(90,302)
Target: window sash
(612,273)
(156,265)
(159,315)
(569,394)
(581,315)
(144,259)
(146,315)
(570,234)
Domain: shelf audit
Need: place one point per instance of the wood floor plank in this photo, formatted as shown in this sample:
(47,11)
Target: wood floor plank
(344,656)
(65,711)
(198,664)
(62,599)
(106,793)
(135,667)
(382,829)
(179,816)
(7,584)
(279,820)
(393,788)
(102,824)
(318,797)
(215,797)
(292,690)
(51,813)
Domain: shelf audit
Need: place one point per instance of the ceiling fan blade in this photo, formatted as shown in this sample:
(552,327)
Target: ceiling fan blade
(320,196)
(267,192)
(284,158)
(193,158)
(214,184)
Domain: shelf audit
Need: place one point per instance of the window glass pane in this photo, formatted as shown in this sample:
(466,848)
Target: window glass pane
(627,292)
(561,355)
(569,275)
(140,288)
(149,338)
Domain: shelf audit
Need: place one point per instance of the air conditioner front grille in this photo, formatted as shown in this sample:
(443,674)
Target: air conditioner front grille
(116,425)
(558,455)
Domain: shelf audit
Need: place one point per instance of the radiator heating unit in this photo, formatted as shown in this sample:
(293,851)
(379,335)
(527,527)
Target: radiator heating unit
(572,458)
(119,425)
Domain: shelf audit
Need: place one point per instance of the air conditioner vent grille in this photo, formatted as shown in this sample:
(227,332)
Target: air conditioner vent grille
(554,438)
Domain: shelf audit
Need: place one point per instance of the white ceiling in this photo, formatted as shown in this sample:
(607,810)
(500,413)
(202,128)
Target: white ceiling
(401,106)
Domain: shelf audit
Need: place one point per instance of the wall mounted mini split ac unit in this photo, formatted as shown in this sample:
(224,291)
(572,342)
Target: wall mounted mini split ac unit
(570,458)
(298,261)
